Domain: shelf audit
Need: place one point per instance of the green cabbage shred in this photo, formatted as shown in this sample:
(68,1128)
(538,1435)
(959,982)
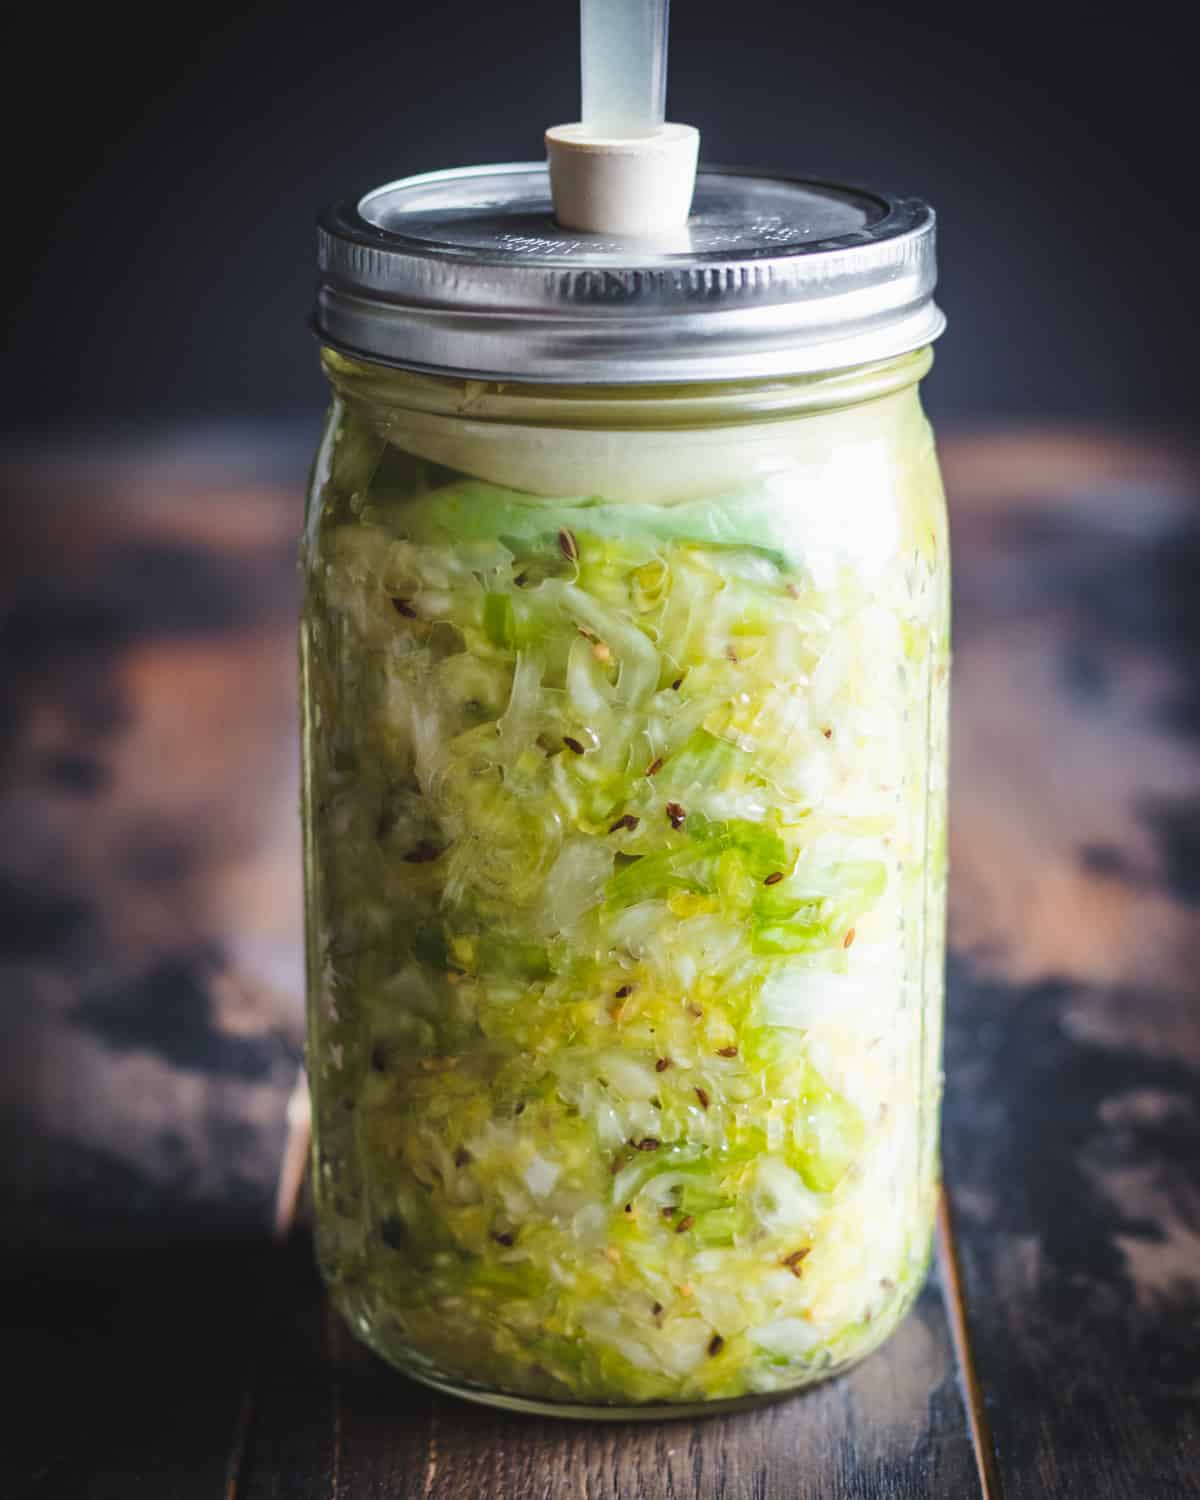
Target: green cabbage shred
(621,879)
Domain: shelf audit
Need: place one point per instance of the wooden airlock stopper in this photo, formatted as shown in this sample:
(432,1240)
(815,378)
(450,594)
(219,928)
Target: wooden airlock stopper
(622,170)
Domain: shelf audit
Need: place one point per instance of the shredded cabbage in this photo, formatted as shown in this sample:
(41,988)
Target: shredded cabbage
(624,881)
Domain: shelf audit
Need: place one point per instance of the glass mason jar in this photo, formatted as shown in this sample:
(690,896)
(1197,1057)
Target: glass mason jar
(625,789)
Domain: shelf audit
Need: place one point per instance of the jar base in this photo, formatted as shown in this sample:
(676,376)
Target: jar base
(659,1411)
(581,1412)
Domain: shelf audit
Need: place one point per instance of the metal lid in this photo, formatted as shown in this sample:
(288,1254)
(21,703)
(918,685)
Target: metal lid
(466,272)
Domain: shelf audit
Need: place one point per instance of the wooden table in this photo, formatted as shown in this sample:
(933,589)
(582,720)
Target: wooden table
(169,1345)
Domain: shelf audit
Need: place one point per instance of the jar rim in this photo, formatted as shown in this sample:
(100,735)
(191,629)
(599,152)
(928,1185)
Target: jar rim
(465,272)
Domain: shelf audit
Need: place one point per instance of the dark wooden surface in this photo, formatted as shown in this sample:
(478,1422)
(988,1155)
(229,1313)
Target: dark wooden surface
(165,1346)
(330,1421)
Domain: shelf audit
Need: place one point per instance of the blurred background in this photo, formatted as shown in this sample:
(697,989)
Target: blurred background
(163,169)
(165,174)
(162,400)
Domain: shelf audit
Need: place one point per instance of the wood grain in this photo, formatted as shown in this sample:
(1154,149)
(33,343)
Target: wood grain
(149,947)
(149,958)
(1072,1129)
(332,1423)
(149,880)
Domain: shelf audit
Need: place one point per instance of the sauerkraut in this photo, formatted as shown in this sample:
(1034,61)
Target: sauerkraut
(626,853)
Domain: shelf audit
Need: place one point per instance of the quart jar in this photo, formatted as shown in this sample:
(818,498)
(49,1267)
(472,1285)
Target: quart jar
(624,676)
